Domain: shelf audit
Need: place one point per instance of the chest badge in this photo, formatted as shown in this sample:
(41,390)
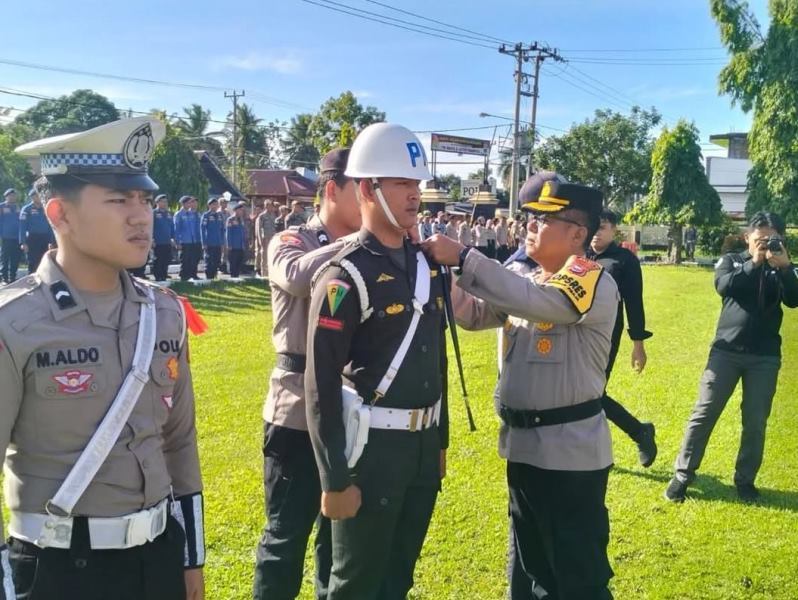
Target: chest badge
(385,277)
(73,382)
(395,309)
(172,368)
(544,346)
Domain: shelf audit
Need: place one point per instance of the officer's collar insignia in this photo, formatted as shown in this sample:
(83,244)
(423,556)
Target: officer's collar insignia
(138,147)
(433,273)
(395,309)
(323,238)
(62,296)
(439,302)
(336,291)
(385,277)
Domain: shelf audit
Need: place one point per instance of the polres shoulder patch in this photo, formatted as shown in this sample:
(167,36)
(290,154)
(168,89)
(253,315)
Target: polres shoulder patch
(578,281)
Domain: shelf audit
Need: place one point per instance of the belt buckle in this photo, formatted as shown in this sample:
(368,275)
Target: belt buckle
(414,419)
(143,527)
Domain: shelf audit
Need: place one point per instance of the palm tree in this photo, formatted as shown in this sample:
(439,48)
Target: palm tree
(248,145)
(195,122)
(298,145)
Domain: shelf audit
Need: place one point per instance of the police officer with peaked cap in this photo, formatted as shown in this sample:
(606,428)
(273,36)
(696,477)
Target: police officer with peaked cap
(291,480)
(188,237)
(361,308)
(35,232)
(235,236)
(561,310)
(212,230)
(128,526)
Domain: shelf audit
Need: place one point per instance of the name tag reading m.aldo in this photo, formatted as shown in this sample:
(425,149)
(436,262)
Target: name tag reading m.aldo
(578,280)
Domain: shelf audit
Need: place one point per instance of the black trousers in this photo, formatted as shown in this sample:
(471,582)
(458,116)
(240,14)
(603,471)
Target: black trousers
(153,571)
(9,259)
(560,530)
(213,257)
(190,255)
(235,258)
(37,246)
(623,419)
(293,503)
(374,553)
(162,256)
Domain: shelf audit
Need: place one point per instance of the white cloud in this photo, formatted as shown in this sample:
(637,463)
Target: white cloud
(285,63)
(363,94)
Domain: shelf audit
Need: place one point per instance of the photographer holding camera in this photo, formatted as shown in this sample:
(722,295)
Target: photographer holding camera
(747,346)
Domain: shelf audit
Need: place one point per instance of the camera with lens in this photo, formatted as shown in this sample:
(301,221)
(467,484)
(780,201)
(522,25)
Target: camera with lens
(776,244)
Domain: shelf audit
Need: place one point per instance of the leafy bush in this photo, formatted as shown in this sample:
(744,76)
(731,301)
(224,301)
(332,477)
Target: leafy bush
(715,239)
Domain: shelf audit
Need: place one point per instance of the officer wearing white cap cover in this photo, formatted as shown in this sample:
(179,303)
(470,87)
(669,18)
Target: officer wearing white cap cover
(376,324)
(97,407)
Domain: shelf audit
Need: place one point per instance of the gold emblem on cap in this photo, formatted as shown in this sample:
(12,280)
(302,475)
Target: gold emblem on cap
(546,191)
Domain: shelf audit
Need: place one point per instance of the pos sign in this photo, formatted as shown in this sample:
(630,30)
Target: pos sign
(469,187)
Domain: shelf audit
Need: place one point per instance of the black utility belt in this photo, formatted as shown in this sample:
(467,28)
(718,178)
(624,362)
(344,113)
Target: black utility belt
(530,419)
(293,363)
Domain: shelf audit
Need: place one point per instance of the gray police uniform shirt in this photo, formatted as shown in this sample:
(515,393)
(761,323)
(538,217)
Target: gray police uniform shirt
(554,357)
(61,365)
(295,255)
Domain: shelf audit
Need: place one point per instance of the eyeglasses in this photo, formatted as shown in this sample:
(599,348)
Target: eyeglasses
(546,219)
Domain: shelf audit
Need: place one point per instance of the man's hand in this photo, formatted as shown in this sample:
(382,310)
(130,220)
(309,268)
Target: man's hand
(443,464)
(761,253)
(778,261)
(195,584)
(639,357)
(341,505)
(443,250)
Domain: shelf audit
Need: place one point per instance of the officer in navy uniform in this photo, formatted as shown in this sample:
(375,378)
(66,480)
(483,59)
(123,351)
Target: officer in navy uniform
(361,308)
(163,236)
(35,233)
(236,239)
(188,237)
(212,230)
(129,525)
(291,480)
(9,232)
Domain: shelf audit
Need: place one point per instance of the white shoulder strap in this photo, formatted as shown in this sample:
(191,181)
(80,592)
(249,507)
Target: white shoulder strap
(420,298)
(103,440)
(362,290)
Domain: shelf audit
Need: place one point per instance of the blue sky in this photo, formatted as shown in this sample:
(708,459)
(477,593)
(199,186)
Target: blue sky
(290,56)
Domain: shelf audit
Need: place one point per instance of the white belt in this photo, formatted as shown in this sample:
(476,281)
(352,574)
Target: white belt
(114,533)
(403,419)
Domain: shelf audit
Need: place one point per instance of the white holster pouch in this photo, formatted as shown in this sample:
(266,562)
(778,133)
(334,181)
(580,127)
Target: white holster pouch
(53,529)
(356,413)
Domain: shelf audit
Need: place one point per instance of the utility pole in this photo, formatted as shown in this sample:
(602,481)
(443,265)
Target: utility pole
(542,54)
(522,54)
(235,96)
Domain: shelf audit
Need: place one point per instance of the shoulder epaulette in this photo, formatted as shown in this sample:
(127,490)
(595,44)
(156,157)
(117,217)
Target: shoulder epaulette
(18,289)
(341,261)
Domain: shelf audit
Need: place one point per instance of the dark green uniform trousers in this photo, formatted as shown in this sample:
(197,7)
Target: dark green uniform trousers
(724,369)
(375,552)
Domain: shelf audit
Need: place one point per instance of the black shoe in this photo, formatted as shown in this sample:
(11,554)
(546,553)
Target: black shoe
(747,492)
(676,491)
(646,444)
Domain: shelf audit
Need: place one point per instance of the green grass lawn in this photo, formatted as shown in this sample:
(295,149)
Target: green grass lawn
(710,547)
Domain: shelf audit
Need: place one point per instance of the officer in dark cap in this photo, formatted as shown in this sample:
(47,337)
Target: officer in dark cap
(236,239)
(188,237)
(212,230)
(163,236)
(35,233)
(9,232)
(558,311)
(97,425)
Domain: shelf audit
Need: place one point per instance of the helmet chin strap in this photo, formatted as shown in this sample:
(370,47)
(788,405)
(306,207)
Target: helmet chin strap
(383,204)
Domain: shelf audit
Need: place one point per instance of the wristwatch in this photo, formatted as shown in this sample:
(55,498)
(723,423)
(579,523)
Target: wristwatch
(463,253)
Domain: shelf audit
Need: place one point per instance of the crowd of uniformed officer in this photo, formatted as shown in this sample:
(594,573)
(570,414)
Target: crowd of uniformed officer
(97,409)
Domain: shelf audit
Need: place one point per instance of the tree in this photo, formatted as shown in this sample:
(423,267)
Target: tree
(339,120)
(761,76)
(450,183)
(81,110)
(14,169)
(193,126)
(611,152)
(680,193)
(297,144)
(256,146)
(175,168)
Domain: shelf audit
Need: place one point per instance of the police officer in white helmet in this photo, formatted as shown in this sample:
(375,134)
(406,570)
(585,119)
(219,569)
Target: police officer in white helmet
(376,325)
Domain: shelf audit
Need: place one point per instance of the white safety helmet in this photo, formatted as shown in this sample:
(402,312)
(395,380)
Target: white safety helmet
(387,150)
